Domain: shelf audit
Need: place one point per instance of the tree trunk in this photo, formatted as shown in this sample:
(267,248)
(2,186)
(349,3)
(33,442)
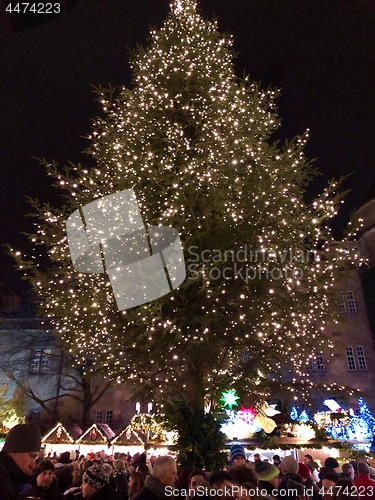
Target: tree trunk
(87,402)
(195,385)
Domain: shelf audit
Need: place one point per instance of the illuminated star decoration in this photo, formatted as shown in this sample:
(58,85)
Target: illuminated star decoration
(247,414)
(229,398)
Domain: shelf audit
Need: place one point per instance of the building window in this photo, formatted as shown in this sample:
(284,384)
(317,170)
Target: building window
(35,417)
(362,365)
(346,302)
(352,308)
(353,363)
(98,416)
(108,417)
(40,361)
(317,362)
(350,358)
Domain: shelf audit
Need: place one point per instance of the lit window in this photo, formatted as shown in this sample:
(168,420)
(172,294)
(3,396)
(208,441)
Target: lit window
(98,416)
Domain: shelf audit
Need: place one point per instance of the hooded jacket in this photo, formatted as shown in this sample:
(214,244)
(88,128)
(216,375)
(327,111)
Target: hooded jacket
(11,477)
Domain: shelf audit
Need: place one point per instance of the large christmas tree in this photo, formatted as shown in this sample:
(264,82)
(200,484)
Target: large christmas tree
(195,144)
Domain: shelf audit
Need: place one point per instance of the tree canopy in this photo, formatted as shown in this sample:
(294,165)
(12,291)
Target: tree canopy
(194,142)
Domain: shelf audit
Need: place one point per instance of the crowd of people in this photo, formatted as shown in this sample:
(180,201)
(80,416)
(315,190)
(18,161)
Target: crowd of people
(25,475)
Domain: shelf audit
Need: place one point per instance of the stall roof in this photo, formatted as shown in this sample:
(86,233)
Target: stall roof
(129,437)
(96,435)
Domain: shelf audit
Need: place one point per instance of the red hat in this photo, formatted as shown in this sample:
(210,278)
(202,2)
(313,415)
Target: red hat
(304,470)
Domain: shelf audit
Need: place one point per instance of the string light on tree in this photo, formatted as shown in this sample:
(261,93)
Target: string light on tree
(194,142)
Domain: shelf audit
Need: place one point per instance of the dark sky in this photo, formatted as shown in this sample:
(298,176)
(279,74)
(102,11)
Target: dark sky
(320,53)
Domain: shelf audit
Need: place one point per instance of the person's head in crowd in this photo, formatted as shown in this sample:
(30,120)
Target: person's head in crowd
(93,480)
(332,463)
(165,470)
(243,474)
(108,470)
(22,445)
(196,478)
(182,481)
(256,457)
(119,465)
(220,479)
(347,472)
(247,491)
(304,471)
(143,469)
(344,489)
(276,460)
(363,468)
(136,482)
(328,484)
(289,465)
(64,458)
(44,474)
(237,455)
(268,473)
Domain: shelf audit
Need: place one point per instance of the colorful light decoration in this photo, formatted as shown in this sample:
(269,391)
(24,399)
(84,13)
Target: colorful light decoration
(294,413)
(247,414)
(304,417)
(143,143)
(229,398)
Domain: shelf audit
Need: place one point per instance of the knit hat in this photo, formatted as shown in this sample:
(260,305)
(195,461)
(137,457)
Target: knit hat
(22,438)
(289,465)
(237,451)
(95,476)
(331,463)
(304,470)
(266,471)
(44,465)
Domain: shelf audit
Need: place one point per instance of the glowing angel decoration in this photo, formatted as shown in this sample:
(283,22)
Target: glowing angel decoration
(263,420)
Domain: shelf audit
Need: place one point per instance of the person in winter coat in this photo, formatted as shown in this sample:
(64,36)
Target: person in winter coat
(95,484)
(291,485)
(43,483)
(164,475)
(268,475)
(17,459)
(121,479)
(305,472)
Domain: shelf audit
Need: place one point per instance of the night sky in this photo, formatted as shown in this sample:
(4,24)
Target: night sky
(319,53)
